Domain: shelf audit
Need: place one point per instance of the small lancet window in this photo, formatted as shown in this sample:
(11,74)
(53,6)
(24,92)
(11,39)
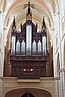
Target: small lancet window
(23,48)
(34,47)
(17,47)
(13,45)
(39,47)
(44,45)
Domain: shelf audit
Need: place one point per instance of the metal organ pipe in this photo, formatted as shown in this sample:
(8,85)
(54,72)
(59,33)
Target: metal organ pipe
(13,45)
(39,47)
(28,39)
(34,47)
(18,47)
(23,48)
(44,45)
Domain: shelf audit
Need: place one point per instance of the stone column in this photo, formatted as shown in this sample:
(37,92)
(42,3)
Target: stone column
(1,45)
(1,54)
(1,87)
(56,87)
(62,83)
(1,42)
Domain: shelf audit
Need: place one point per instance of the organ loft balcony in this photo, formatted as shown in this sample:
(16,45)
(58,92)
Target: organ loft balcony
(28,67)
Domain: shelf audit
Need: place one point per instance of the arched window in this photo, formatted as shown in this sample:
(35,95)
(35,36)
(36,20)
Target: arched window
(28,39)
(39,47)
(17,47)
(23,48)
(44,45)
(13,45)
(34,47)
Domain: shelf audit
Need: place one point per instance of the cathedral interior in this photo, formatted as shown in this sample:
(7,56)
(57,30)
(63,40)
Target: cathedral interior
(32,48)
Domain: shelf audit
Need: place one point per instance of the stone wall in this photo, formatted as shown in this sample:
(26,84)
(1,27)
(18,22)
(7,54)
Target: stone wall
(11,83)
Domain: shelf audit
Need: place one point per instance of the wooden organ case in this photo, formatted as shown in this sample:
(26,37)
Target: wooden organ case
(28,54)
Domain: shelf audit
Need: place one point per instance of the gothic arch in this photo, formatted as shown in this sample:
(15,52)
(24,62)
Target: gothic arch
(36,17)
(27,94)
(31,92)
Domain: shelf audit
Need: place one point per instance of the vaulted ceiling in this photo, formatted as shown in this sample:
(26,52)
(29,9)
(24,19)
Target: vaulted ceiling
(16,8)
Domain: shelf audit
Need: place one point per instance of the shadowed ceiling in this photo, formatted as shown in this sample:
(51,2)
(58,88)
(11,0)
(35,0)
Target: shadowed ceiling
(16,8)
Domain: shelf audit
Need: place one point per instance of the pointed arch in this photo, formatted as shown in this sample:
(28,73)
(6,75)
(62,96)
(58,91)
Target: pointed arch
(27,94)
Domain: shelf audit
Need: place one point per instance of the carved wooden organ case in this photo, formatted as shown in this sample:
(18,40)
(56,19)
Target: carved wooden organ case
(28,54)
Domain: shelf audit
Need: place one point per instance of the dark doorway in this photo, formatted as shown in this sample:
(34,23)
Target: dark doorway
(27,94)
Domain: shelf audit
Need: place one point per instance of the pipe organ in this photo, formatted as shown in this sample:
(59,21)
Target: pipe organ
(28,54)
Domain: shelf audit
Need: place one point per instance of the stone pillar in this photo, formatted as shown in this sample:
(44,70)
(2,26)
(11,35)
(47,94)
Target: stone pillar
(1,87)
(62,83)
(1,54)
(56,87)
(1,57)
(1,45)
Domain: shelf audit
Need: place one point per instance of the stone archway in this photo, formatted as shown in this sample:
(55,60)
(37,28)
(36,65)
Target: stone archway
(28,93)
